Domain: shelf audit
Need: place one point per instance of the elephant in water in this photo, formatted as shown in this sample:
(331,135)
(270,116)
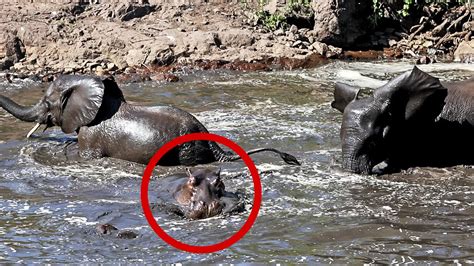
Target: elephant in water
(199,195)
(413,120)
(107,126)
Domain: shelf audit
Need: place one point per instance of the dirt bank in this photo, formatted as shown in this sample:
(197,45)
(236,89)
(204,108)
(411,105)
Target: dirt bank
(143,40)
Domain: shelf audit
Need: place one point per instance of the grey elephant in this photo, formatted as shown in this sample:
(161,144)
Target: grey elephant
(107,126)
(413,120)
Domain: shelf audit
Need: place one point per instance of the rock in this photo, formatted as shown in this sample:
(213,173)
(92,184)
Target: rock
(309,60)
(118,60)
(425,60)
(320,48)
(33,59)
(149,54)
(333,52)
(18,66)
(111,67)
(465,52)
(200,42)
(279,32)
(165,58)
(236,38)
(296,43)
(291,36)
(340,23)
(165,77)
(99,71)
(126,11)
(14,51)
(303,31)
(392,42)
(293,29)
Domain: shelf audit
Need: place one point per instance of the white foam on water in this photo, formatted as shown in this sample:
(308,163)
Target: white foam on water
(131,202)
(354,78)
(43,210)
(269,120)
(400,67)
(77,220)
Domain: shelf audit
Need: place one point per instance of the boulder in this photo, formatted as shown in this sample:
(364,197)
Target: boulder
(236,38)
(125,10)
(201,42)
(14,50)
(339,22)
(465,52)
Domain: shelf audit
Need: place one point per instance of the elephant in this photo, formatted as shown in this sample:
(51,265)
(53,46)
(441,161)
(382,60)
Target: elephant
(199,195)
(412,120)
(108,126)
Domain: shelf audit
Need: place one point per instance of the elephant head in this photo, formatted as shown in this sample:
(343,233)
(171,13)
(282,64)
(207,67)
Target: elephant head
(200,194)
(69,102)
(376,129)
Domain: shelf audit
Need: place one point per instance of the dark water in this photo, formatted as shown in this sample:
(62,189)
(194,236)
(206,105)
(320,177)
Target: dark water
(49,206)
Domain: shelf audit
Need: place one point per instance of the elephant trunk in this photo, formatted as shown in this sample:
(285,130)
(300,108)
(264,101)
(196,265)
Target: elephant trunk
(357,166)
(355,162)
(24,113)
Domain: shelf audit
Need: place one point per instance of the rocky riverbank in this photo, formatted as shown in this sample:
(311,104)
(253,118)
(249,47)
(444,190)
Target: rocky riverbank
(142,41)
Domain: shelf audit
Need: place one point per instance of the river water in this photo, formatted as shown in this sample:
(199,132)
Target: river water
(316,213)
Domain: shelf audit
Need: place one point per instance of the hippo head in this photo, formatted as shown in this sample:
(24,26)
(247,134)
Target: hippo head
(200,194)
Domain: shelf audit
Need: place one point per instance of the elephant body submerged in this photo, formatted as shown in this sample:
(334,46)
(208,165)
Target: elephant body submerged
(108,126)
(413,120)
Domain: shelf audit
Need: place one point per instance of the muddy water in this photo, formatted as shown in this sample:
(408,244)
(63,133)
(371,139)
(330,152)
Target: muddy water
(50,203)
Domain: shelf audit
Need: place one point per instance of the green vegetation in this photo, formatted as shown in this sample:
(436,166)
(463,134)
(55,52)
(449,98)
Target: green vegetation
(279,19)
(271,21)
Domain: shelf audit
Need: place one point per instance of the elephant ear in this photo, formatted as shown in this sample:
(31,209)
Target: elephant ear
(81,99)
(343,95)
(459,105)
(413,87)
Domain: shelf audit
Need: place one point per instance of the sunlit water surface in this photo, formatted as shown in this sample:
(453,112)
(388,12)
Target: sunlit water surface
(49,206)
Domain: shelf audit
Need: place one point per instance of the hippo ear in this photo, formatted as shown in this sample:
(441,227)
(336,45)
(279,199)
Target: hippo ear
(188,171)
(217,182)
(191,178)
(217,172)
(413,89)
(343,95)
(80,101)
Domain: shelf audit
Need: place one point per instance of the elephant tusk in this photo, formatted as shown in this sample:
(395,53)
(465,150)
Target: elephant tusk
(33,130)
